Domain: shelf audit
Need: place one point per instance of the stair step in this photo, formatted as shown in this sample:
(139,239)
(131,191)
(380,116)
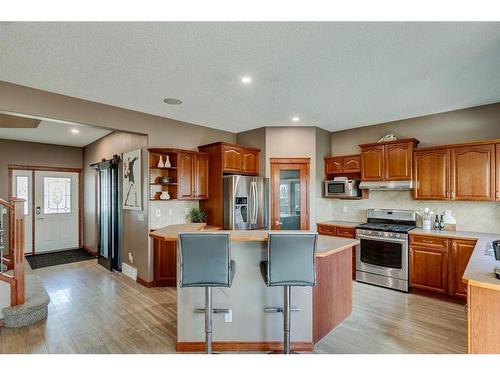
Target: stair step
(35,307)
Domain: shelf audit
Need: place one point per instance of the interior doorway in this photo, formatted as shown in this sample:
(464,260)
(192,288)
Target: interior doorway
(52,207)
(290,193)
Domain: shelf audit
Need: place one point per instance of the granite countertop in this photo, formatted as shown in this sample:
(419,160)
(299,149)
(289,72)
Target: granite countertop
(327,245)
(479,271)
(339,223)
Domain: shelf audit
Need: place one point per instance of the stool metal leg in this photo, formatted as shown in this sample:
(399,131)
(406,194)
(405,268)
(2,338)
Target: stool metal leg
(286,320)
(208,320)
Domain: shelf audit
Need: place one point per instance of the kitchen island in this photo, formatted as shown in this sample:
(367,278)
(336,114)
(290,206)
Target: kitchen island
(249,327)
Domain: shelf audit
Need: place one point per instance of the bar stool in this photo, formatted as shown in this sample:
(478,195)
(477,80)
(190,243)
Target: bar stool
(205,261)
(291,261)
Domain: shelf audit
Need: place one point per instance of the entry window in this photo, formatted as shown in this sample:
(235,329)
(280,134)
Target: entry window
(56,195)
(22,191)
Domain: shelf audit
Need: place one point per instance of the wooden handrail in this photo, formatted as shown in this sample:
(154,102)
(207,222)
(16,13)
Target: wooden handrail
(6,204)
(7,278)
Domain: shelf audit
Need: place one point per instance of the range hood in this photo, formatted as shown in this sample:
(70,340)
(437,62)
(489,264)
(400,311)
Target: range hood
(387,185)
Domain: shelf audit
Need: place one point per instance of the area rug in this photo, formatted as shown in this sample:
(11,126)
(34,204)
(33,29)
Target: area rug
(59,257)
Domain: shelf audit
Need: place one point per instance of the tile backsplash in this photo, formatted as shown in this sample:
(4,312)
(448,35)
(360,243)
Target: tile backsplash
(470,216)
(170,212)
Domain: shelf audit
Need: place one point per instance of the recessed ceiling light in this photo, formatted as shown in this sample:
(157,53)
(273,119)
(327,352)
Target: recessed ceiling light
(295,119)
(172,101)
(246,80)
(75,131)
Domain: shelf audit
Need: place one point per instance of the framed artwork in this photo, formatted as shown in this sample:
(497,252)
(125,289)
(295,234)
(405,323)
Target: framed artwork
(132,180)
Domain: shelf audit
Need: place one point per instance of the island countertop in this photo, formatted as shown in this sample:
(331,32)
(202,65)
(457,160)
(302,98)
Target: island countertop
(327,245)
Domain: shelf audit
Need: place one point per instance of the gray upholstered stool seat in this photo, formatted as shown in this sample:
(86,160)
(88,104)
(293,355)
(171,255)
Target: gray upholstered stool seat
(291,261)
(205,261)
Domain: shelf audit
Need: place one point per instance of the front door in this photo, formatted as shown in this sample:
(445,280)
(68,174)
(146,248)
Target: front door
(56,210)
(289,194)
(22,187)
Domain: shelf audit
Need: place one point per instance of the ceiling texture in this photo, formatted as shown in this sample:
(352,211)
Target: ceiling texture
(335,75)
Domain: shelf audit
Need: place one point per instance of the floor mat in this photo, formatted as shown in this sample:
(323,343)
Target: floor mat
(60,257)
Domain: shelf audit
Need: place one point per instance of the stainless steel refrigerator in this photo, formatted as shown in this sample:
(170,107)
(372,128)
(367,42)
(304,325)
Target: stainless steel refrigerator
(246,202)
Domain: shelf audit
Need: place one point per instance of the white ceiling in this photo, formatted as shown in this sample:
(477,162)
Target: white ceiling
(55,133)
(331,75)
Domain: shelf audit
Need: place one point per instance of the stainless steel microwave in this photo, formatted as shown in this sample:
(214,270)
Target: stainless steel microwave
(339,188)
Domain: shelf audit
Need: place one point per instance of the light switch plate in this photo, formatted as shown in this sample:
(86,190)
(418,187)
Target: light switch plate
(228,317)
(158,212)
(140,216)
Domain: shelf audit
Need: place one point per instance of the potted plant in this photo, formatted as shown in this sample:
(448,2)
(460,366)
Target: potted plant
(198,216)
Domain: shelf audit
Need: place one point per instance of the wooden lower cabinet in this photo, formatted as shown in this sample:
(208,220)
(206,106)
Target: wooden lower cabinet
(461,253)
(429,268)
(438,264)
(165,263)
(339,231)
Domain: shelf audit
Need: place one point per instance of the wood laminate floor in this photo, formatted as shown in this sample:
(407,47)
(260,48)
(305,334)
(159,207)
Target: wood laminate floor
(95,311)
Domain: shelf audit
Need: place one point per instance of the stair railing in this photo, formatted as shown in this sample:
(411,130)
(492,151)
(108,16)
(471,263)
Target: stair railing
(14,259)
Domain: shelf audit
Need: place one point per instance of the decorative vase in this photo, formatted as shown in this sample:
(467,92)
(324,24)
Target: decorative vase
(161,164)
(167,162)
(164,196)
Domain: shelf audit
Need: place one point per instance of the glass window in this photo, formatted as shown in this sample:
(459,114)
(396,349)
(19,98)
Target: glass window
(290,204)
(22,191)
(56,195)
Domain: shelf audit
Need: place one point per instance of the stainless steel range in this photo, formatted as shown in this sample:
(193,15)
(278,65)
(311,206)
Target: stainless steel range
(382,254)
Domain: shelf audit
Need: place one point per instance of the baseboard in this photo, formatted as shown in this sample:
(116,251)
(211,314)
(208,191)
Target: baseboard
(90,251)
(437,295)
(243,346)
(147,284)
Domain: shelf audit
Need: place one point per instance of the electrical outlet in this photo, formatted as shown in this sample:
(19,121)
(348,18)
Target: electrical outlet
(170,212)
(186,211)
(228,317)
(158,212)
(344,209)
(140,216)
(131,257)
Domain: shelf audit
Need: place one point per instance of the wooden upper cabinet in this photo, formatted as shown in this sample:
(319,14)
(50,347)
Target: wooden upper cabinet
(250,162)
(352,164)
(497,173)
(231,158)
(372,163)
(461,252)
(193,178)
(398,161)
(201,177)
(431,170)
(473,173)
(342,164)
(185,175)
(387,161)
(334,165)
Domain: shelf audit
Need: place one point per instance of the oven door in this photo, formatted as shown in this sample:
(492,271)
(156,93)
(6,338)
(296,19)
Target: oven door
(382,256)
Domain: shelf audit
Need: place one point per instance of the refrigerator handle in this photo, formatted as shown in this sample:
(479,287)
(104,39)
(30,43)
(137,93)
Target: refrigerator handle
(252,212)
(256,202)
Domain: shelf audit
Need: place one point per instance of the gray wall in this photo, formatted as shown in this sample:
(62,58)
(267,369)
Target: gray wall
(38,154)
(134,232)
(465,125)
